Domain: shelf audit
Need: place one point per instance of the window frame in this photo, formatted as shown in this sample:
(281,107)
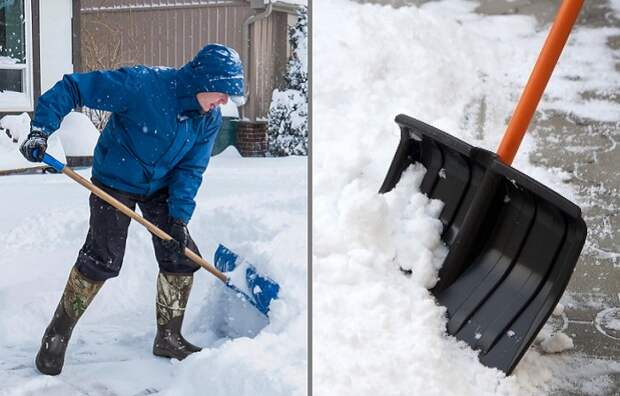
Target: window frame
(23,101)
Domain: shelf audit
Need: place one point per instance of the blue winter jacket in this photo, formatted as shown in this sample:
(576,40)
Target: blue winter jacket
(157,136)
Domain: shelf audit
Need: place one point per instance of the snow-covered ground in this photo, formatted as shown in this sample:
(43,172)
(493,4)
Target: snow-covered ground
(375,330)
(257,207)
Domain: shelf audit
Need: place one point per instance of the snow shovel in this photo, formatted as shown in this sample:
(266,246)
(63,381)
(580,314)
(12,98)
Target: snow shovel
(513,242)
(244,280)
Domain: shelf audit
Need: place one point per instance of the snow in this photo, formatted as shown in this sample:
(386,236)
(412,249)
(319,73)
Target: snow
(7,60)
(77,134)
(14,101)
(243,203)
(608,321)
(613,324)
(18,125)
(615,4)
(19,128)
(558,342)
(288,123)
(229,110)
(377,331)
(229,152)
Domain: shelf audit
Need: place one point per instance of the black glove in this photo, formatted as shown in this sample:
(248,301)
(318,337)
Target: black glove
(36,141)
(180,237)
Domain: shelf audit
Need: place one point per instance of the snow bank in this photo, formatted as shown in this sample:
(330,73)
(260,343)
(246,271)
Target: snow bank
(16,126)
(255,206)
(77,134)
(229,152)
(229,110)
(19,128)
(375,330)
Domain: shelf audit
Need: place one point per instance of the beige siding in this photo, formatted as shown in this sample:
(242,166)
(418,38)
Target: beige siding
(170,32)
(267,61)
(120,5)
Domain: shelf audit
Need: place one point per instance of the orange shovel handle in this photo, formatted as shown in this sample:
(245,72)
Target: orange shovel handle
(549,55)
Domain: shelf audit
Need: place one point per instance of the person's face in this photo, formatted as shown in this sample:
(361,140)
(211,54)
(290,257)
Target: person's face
(208,100)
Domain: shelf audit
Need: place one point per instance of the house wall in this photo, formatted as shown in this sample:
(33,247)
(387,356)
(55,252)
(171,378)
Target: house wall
(269,38)
(170,32)
(55,41)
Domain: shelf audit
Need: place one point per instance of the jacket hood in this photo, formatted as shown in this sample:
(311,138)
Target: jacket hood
(216,68)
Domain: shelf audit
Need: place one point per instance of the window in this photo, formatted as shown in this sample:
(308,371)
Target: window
(15,56)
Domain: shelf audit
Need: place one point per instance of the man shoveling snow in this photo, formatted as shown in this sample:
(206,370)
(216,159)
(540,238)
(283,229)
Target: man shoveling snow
(152,154)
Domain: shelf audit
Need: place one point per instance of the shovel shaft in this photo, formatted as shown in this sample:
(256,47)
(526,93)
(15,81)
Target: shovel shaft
(549,55)
(149,226)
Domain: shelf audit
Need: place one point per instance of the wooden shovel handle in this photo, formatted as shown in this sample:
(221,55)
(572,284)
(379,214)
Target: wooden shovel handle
(549,55)
(149,226)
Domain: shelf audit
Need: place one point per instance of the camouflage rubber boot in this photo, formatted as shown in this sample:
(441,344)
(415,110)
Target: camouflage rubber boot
(172,294)
(78,294)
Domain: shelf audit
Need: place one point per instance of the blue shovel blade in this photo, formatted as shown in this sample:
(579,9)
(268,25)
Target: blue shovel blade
(260,289)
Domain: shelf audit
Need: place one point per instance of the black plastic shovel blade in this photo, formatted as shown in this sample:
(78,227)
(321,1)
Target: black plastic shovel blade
(513,243)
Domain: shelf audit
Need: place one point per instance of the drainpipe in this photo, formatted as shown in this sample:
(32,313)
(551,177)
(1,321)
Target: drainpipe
(246,47)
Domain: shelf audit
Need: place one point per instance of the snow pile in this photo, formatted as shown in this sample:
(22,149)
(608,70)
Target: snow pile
(264,221)
(77,134)
(242,204)
(229,152)
(18,127)
(558,342)
(230,110)
(375,330)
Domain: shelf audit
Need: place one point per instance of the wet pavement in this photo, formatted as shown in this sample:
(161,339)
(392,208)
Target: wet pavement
(588,151)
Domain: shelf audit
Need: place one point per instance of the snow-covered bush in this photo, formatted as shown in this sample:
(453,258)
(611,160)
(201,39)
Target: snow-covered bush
(297,70)
(288,113)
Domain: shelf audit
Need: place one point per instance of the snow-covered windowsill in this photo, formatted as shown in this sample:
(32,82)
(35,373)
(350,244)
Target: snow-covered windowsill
(12,100)
(15,101)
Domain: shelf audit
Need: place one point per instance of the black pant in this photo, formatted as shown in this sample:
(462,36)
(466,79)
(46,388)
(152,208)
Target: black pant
(101,256)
